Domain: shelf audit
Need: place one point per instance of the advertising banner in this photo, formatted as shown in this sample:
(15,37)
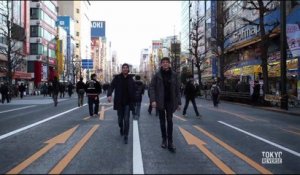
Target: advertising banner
(293,38)
(98,29)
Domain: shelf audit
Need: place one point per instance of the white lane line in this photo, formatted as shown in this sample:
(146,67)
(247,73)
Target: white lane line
(262,139)
(138,167)
(36,123)
(17,109)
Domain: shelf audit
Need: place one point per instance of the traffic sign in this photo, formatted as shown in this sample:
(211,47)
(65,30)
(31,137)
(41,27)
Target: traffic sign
(87,64)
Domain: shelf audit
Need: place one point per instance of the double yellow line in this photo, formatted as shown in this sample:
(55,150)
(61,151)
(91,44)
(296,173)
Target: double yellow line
(193,140)
(60,139)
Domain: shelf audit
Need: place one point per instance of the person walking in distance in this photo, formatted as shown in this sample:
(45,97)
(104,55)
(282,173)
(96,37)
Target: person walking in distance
(190,94)
(165,96)
(22,89)
(55,90)
(93,89)
(215,92)
(124,98)
(139,91)
(80,91)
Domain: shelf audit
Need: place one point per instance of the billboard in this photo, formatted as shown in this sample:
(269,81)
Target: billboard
(67,23)
(98,29)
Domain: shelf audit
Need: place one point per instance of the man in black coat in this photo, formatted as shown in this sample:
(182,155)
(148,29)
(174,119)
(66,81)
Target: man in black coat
(190,94)
(80,86)
(93,88)
(139,91)
(124,99)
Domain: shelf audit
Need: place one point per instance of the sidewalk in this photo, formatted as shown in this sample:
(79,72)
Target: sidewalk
(291,110)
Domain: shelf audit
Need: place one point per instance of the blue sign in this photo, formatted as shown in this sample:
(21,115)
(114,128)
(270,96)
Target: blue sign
(87,64)
(98,29)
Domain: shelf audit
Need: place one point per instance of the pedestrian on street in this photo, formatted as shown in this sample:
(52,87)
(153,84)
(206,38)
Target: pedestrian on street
(139,91)
(22,89)
(55,90)
(165,96)
(255,94)
(124,98)
(62,89)
(93,89)
(215,93)
(70,89)
(190,94)
(80,91)
(4,92)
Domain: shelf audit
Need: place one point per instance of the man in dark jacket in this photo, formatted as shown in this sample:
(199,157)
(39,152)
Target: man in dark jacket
(93,89)
(80,86)
(22,89)
(139,91)
(165,96)
(55,90)
(190,94)
(124,98)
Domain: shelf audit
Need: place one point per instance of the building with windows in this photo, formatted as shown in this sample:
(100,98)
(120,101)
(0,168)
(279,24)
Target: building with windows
(79,11)
(43,34)
(18,12)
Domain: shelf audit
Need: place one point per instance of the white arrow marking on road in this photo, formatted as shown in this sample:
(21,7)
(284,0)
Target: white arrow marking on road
(262,139)
(138,167)
(17,109)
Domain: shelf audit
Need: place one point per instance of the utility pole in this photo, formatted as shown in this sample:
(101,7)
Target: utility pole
(283,43)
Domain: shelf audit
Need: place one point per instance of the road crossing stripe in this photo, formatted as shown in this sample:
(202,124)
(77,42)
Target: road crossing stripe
(235,152)
(262,139)
(60,166)
(15,109)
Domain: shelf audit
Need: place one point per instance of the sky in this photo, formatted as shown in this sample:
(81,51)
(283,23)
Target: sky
(132,25)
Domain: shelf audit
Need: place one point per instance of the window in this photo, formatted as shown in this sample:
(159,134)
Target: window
(77,10)
(34,31)
(34,48)
(34,13)
(77,45)
(77,33)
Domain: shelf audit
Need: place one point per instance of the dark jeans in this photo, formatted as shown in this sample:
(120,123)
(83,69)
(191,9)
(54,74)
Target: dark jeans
(5,96)
(80,97)
(187,101)
(123,119)
(166,114)
(215,99)
(93,100)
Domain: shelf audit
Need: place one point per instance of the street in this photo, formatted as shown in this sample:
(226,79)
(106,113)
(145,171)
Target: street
(36,137)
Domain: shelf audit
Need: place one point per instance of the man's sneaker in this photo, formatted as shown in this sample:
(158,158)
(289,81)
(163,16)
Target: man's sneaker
(198,116)
(171,147)
(95,115)
(164,144)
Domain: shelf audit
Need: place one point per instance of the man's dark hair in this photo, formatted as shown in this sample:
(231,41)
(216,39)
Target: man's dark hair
(81,78)
(93,75)
(125,64)
(137,77)
(165,58)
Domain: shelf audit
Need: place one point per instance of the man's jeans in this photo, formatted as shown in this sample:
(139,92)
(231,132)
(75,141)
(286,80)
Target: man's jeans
(166,114)
(137,110)
(91,101)
(123,119)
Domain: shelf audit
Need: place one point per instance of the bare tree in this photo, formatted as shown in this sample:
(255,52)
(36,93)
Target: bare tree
(197,44)
(12,37)
(263,7)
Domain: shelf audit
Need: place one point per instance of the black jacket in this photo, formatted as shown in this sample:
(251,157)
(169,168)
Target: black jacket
(139,90)
(190,90)
(117,86)
(93,88)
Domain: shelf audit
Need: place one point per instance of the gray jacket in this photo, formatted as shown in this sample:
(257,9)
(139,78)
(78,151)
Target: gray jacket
(157,91)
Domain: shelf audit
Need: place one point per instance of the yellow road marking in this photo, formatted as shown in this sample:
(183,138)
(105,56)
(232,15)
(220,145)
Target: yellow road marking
(236,152)
(101,117)
(61,138)
(237,115)
(60,166)
(294,128)
(86,118)
(180,118)
(293,132)
(108,108)
(192,140)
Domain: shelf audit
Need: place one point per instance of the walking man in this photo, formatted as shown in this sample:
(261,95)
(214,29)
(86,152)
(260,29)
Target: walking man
(124,98)
(55,89)
(215,92)
(93,89)
(165,96)
(80,91)
(22,90)
(190,94)
(139,91)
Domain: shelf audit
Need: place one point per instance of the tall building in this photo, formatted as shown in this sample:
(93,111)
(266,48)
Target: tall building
(43,33)
(19,12)
(79,11)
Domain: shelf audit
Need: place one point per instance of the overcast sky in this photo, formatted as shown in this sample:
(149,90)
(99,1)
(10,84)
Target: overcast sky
(132,25)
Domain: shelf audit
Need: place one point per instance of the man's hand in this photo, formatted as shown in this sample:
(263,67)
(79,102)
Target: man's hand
(178,108)
(109,99)
(153,104)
